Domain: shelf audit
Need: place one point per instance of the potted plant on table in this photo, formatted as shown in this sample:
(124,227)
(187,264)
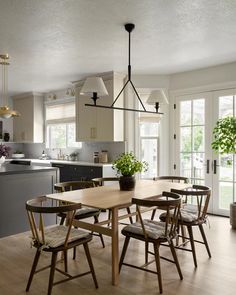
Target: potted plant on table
(127,165)
(225,143)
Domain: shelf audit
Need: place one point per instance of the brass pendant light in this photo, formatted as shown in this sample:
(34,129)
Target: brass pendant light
(5,111)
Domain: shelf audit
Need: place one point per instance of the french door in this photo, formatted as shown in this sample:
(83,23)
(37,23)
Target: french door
(196,116)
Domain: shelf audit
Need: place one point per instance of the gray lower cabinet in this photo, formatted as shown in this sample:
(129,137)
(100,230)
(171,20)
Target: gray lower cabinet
(15,190)
(77,172)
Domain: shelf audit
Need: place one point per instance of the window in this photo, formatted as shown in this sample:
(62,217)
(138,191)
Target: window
(148,141)
(149,147)
(60,125)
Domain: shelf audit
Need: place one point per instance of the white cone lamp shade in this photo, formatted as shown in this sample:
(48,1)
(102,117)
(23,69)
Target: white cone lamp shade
(157,96)
(94,85)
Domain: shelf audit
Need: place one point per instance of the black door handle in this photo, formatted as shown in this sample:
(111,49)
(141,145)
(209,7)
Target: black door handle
(208,167)
(214,166)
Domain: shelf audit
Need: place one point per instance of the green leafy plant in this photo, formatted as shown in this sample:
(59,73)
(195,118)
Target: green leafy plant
(225,136)
(74,154)
(18,152)
(127,164)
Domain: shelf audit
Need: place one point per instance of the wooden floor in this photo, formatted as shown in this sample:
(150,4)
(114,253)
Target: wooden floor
(213,276)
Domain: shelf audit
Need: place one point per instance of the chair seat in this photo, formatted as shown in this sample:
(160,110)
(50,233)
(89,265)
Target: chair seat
(55,236)
(188,214)
(154,229)
(84,212)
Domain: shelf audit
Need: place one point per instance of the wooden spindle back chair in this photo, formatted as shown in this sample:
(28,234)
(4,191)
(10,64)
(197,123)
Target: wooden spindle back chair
(155,232)
(84,212)
(169,178)
(54,239)
(194,213)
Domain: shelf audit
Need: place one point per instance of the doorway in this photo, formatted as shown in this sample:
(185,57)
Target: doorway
(195,118)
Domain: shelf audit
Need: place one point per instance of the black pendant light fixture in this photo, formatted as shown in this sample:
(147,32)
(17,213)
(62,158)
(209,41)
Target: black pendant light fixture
(129,28)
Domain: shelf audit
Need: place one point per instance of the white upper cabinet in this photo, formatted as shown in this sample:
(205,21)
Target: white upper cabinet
(98,124)
(29,127)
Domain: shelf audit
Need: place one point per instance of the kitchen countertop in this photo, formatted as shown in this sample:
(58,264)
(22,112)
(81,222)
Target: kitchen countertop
(7,168)
(38,161)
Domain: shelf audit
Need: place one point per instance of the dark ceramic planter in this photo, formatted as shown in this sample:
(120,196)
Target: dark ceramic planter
(127,183)
(6,136)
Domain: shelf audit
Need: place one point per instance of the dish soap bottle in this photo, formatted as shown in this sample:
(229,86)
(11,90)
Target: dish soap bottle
(44,156)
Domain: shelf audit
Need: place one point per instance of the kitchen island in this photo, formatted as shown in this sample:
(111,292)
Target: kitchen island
(19,183)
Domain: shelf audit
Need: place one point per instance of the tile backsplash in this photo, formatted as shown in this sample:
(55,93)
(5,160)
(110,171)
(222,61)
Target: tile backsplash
(34,150)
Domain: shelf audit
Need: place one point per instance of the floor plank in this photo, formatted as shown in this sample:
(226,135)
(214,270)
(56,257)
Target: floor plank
(213,276)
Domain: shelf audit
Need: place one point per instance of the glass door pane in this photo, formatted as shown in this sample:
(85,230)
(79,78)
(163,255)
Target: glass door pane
(224,180)
(149,154)
(192,139)
(149,147)
(196,116)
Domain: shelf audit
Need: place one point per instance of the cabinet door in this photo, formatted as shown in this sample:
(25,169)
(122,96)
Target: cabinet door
(86,119)
(23,125)
(65,172)
(29,126)
(83,173)
(77,172)
(105,126)
(90,172)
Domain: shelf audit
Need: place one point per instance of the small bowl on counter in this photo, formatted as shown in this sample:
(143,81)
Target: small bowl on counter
(18,156)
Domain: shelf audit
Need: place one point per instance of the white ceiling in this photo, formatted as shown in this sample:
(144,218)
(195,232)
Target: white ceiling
(54,42)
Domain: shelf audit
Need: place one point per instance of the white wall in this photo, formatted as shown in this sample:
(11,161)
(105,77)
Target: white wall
(208,78)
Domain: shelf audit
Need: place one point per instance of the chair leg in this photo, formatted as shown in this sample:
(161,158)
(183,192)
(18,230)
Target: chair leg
(190,232)
(74,253)
(65,261)
(126,243)
(109,216)
(183,233)
(52,271)
(158,266)
(130,217)
(62,220)
(205,239)
(172,248)
(153,214)
(146,252)
(86,249)
(100,235)
(33,269)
